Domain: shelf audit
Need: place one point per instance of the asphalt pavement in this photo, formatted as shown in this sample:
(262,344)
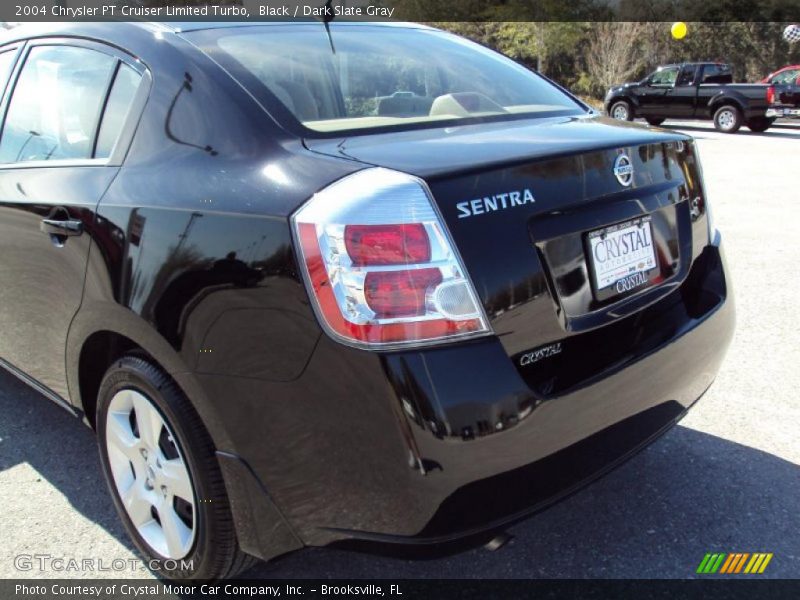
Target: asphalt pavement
(726,479)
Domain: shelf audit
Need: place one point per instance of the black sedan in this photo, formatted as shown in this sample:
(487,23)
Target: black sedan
(370,283)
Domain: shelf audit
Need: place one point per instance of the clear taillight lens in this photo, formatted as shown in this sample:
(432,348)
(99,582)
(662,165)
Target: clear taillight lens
(380,266)
(701,188)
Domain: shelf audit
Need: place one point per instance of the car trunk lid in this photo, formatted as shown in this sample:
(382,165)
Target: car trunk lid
(524,201)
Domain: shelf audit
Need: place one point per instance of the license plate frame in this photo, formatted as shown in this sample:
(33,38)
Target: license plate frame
(627,273)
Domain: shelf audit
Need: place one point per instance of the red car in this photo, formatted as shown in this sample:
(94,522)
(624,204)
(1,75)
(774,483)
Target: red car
(789,77)
(788,74)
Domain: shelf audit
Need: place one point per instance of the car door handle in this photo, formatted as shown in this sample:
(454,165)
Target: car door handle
(68,227)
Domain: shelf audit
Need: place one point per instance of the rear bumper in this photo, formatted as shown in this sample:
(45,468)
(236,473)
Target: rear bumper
(424,447)
(782,112)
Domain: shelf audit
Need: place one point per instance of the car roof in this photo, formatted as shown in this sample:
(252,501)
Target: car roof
(34,30)
(31,30)
(186,26)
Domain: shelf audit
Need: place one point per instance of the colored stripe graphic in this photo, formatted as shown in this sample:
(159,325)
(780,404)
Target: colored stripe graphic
(716,563)
(734,562)
(755,561)
(730,564)
(710,563)
(765,563)
(703,564)
(741,562)
(736,558)
(727,564)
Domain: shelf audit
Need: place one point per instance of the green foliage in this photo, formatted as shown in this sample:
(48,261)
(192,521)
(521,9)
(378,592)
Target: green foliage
(535,43)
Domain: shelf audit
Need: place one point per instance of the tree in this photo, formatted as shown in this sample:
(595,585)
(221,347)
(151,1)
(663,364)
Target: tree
(591,56)
(614,53)
(535,44)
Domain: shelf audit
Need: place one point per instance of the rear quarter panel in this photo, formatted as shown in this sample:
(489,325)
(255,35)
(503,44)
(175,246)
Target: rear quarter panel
(192,256)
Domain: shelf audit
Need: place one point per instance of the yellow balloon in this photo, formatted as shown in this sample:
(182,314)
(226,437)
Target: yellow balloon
(679,30)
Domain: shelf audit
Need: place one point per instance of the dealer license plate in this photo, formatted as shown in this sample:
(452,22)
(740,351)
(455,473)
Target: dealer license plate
(622,257)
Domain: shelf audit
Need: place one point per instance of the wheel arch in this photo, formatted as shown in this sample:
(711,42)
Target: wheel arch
(104,332)
(722,99)
(97,353)
(629,99)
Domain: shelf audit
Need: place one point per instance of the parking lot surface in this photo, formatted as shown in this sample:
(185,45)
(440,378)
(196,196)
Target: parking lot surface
(726,479)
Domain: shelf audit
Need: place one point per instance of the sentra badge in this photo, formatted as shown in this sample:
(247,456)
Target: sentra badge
(487,204)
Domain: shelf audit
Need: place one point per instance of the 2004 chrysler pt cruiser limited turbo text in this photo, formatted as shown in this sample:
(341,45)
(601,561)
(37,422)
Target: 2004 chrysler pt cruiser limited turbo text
(403,292)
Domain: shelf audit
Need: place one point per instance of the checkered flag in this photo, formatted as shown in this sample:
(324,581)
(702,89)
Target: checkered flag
(792,34)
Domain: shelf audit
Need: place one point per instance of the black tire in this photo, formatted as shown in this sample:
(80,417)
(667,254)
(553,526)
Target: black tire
(728,118)
(759,124)
(654,122)
(622,110)
(215,552)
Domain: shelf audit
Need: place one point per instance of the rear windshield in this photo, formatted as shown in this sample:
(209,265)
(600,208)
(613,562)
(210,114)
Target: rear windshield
(379,77)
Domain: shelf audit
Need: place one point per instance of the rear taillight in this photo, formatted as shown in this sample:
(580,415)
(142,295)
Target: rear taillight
(771,95)
(380,266)
(387,244)
(698,188)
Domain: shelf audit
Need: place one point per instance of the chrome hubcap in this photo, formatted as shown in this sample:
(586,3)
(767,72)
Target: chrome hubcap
(620,112)
(150,475)
(726,119)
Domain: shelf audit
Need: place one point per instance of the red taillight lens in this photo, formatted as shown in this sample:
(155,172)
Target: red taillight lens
(393,294)
(387,244)
(379,264)
(770,95)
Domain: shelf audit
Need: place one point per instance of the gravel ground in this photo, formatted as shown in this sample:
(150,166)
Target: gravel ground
(725,480)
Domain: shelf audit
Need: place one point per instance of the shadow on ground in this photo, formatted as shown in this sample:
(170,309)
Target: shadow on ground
(60,448)
(656,516)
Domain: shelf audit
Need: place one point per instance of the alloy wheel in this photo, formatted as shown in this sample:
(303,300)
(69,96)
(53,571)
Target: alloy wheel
(726,119)
(150,474)
(620,112)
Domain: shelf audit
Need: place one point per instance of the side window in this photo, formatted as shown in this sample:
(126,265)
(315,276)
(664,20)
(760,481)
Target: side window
(119,102)
(56,105)
(786,76)
(665,76)
(6,62)
(779,78)
(687,75)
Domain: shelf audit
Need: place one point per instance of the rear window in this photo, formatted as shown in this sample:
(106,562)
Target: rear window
(717,74)
(373,77)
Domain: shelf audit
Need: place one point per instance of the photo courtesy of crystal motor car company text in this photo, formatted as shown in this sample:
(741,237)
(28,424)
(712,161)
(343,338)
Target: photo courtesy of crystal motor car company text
(327,282)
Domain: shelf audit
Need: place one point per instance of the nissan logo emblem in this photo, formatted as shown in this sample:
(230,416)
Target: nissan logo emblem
(623,170)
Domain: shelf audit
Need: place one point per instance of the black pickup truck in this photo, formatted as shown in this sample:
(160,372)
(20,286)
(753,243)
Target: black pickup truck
(700,91)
